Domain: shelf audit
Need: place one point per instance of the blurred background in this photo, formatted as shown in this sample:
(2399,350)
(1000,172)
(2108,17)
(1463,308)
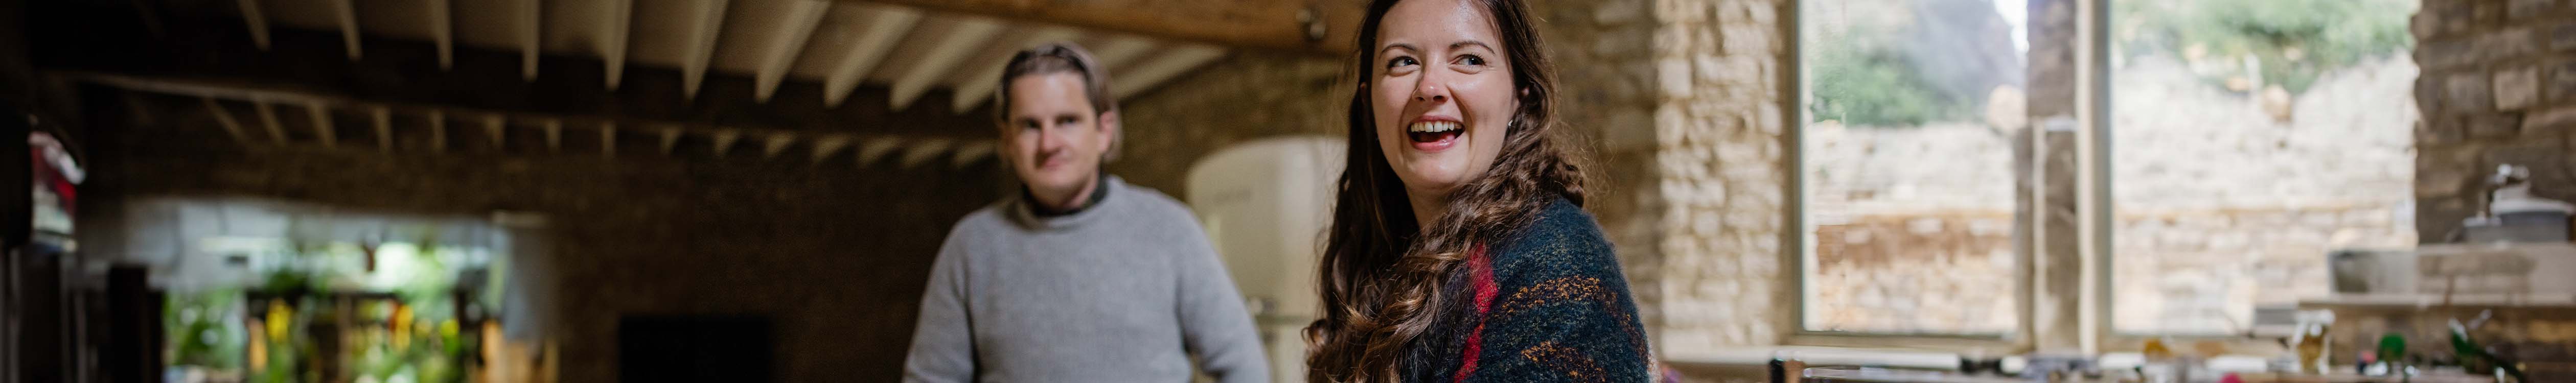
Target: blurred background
(752,190)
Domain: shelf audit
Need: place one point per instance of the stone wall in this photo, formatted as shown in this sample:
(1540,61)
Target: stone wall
(2498,87)
(1723,72)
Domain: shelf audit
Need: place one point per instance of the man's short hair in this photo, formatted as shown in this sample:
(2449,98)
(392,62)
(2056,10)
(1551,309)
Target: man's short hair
(1053,58)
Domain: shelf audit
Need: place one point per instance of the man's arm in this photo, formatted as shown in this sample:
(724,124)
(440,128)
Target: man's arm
(943,342)
(1214,324)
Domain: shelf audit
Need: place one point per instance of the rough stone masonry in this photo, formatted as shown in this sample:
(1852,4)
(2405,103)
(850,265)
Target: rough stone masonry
(2498,87)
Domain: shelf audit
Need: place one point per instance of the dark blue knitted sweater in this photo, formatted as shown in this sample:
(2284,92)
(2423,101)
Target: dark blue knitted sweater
(1560,312)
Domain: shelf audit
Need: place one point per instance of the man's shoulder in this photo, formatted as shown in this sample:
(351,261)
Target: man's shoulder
(983,221)
(1154,204)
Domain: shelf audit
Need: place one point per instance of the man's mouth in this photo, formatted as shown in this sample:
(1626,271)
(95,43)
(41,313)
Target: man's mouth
(1433,131)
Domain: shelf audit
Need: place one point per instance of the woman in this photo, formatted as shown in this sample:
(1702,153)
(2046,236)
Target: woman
(1459,250)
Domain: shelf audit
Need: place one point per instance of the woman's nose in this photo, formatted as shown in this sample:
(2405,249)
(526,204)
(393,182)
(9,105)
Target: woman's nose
(1430,90)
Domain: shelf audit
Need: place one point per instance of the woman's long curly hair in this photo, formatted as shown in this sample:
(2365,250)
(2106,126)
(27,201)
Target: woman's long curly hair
(1394,295)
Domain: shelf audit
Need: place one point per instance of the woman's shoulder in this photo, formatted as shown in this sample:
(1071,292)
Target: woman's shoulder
(1562,240)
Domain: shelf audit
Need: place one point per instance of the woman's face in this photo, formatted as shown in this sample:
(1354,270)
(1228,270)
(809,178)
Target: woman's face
(1443,96)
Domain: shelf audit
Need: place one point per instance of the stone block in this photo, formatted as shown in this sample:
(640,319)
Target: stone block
(2505,44)
(2562,37)
(2467,93)
(2491,126)
(2428,93)
(2562,82)
(2524,9)
(2437,131)
(2551,123)
(2516,88)
(2446,54)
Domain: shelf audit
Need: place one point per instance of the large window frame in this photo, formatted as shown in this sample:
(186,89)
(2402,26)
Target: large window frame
(2090,174)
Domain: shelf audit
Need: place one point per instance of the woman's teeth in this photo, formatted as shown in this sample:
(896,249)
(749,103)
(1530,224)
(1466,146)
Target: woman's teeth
(1433,131)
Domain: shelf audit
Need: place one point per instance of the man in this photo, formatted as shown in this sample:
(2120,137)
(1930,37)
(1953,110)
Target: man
(1081,277)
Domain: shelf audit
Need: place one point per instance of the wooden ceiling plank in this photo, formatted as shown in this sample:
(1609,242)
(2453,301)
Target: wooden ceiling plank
(437,130)
(384,119)
(347,12)
(257,22)
(702,46)
(442,32)
(268,119)
(231,125)
(495,125)
(322,127)
(1323,28)
(1157,70)
(530,11)
(621,19)
(978,85)
(887,27)
(944,56)
(802,19)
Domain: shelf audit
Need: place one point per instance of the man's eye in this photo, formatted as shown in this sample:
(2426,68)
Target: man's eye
(1401,61)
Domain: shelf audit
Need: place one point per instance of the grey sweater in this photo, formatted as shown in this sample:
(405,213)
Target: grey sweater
(1125,290)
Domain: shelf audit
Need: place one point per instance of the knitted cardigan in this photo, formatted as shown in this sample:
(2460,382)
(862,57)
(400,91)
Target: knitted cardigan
(1549,305)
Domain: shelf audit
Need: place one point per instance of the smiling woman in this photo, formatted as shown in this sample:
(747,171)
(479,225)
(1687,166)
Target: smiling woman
(1489,270)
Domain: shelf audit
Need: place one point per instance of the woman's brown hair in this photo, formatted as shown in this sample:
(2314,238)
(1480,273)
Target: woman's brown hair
(1392,292)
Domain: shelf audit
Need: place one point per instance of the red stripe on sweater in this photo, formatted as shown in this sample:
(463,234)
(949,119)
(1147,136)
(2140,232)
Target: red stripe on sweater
(1484,279)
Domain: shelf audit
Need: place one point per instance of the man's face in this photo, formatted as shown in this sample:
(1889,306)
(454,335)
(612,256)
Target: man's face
(1052,137)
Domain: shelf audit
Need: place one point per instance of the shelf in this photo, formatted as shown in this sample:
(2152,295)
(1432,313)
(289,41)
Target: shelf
(2422,301)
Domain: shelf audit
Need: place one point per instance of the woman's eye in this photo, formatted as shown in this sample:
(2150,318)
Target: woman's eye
(1400,61)
(1471,60)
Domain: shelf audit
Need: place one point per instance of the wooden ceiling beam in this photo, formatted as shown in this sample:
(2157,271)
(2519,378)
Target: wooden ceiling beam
(530,13)
(887,27)
(257,21)
(1325,28)
(952,48)
(347,13)
(1157,70)
(621,19)
(789,43)
(702,46)
(442,31)
(977,85)
(232,127)
(268,119)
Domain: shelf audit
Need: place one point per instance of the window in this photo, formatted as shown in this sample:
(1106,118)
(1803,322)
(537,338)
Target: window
(2242,142)
(2248,139)
(1908,165)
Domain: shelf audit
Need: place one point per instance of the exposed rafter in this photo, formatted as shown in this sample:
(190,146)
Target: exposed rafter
(232,126)
(268,119)
(554,135)
(442,31)
(776,143)
(702,46)
(875,149)
(1119,51)
(922,151)
(256,21)
(322,126)
(969,35)
(1315,27)
(496,126)
(978,85)
(529,13)
(384,119)
(670,138)
(802,17)
(1159,69)
(723,139)
(608,139)
(880,35)
(621,17)
(826,145)
(968,154)
(437,130)
(347,13)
